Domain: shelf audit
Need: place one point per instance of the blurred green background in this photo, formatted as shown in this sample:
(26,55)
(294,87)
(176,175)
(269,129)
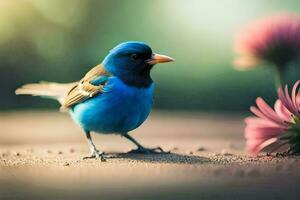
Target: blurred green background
(60,40)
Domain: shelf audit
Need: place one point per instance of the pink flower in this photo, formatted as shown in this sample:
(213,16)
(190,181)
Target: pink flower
(274,40)
(273,125)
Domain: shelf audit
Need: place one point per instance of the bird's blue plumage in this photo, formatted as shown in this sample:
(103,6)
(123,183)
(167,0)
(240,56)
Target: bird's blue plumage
(119,109)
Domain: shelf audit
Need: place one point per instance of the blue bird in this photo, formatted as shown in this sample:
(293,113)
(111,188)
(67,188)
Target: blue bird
(114,97)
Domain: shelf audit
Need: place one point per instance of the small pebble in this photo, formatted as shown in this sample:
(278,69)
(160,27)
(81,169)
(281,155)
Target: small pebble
(224,152)
(201,149)
(4,154)
(72,150)
(16,154)
(175,148)
(60,152)
(66,164)
(189,152)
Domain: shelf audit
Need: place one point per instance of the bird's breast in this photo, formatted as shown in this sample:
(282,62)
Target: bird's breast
(119,109)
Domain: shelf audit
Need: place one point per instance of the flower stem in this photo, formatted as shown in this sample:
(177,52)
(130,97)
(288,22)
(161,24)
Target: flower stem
(279,77)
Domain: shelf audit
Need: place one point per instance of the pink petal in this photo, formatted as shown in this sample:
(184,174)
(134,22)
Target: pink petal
(262,132)
(255,146)
(268,111)
(282,111)
(289,100)
(298,98)
(257,112)
(294,97)
(284,101)
(259,122)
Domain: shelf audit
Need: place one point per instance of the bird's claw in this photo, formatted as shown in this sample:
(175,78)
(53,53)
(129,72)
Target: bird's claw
(97,155)
(142,150)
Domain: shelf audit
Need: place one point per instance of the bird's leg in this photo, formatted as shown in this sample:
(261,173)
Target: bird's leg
(94,151)
(142,150)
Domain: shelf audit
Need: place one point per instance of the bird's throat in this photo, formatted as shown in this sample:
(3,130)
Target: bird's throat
(138,80)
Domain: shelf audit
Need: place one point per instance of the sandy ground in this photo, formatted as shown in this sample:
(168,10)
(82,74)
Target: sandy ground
(41,158)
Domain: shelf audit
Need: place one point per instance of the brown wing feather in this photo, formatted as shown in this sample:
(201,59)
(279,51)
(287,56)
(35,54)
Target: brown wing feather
(84,89)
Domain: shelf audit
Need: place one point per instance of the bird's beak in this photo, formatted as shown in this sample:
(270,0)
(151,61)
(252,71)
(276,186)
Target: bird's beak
(157,58)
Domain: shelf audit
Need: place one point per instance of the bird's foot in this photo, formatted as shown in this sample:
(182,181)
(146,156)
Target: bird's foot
(96,154)
(143,150)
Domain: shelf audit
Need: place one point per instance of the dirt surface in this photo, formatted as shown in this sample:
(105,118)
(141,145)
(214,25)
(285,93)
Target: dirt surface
(41,158)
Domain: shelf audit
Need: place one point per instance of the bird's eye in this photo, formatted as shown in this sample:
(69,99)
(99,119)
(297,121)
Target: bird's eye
(134,57)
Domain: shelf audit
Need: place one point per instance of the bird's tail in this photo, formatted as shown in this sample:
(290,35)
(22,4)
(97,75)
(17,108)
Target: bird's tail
(57,91)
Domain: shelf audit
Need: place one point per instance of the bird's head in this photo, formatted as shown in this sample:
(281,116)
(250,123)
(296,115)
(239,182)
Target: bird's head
(132,62)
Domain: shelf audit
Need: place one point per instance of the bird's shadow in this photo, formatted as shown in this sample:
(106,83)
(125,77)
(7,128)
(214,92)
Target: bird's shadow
(173,158)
